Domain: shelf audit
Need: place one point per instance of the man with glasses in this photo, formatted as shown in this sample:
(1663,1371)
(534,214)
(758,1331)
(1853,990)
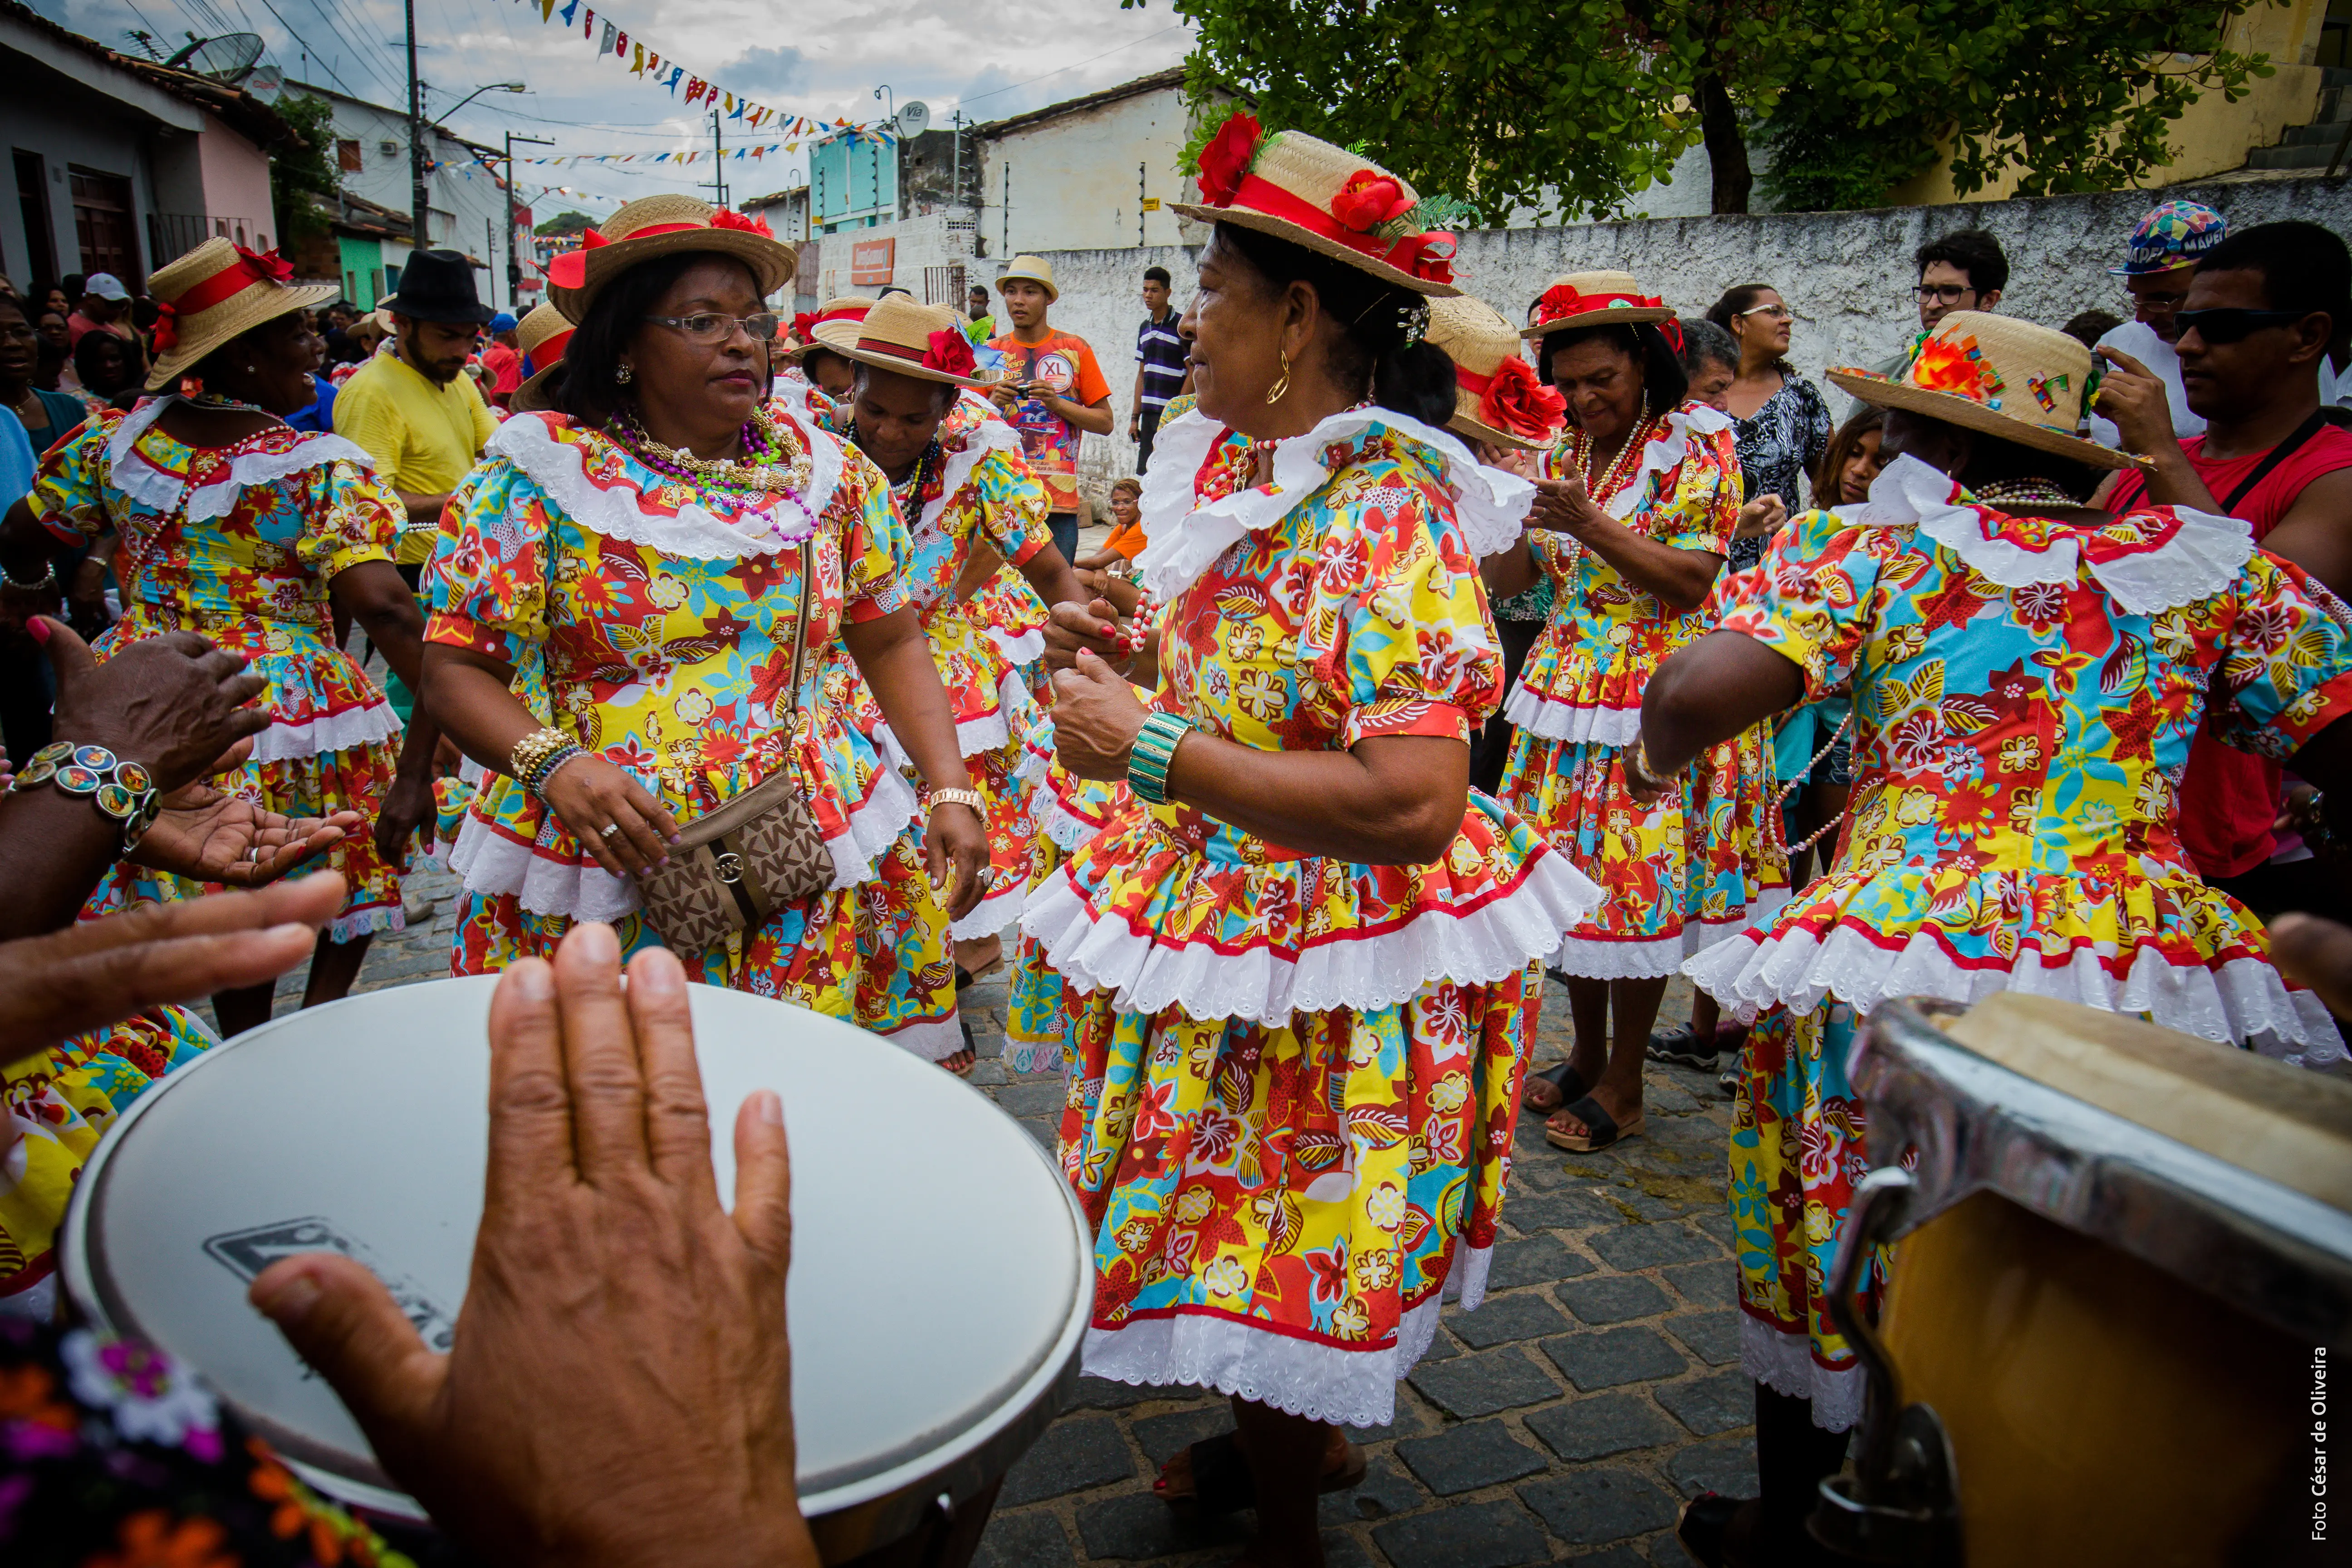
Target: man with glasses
(2164,248)
(1963,270)
(2260,315)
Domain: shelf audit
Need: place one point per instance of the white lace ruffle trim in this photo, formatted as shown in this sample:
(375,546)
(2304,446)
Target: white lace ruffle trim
(1785,1364)
(1183,540)
(1481,946)
(2203,556)
(2245,999)
(1321,1382)
(1574,723)
(1664,452)
(151,488)
(992,914)
(328,733)
(691,532)
(1025,647)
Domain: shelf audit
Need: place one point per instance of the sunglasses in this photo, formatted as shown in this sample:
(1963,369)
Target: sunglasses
(2231,325)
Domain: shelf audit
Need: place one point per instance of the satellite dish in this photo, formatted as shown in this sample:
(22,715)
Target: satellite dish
(266,82)
(914,118)
(225,59)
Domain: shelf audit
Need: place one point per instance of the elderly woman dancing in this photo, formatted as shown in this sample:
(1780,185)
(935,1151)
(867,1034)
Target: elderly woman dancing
(668,559)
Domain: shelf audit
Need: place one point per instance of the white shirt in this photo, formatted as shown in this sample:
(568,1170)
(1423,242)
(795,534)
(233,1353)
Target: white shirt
(2139,340)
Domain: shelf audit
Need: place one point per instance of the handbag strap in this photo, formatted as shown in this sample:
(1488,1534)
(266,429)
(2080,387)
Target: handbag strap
(801,621)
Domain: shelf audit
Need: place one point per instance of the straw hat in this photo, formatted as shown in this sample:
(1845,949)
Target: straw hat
(1497,397)
(1999,375)
(835,323)
(664,225)
(214,292)
(1582,299)
(925,341)
(1292,186)
(542,337)
(1033,270)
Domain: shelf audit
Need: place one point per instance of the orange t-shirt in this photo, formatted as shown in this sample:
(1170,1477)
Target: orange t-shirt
(1063,362)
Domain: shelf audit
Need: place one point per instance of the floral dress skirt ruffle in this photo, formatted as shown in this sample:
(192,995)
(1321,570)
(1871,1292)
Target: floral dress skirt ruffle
(1040,1020)
(1013,615)
(61,1101)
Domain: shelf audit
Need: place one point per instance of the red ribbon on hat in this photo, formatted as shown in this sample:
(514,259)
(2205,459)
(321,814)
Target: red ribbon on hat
(1562,301)
(570,270)
(1513,400)
(1429,256)
(251,267)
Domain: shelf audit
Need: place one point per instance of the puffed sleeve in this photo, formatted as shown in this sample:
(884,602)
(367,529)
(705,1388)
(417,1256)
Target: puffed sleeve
(1702,509)
(1399,619)
(2286,661)
(69,492)
(1014,503)
(1810,598)
(349,516)
(873,541)
(486,585)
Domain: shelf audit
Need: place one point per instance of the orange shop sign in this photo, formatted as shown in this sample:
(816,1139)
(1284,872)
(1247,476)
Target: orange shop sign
(871,260)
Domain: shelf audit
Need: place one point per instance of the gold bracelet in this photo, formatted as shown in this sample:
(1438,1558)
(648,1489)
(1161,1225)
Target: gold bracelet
(533,751)
(1642,766)
(939,797)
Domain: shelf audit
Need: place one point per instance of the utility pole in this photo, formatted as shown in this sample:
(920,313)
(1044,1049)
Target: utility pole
(1008,207)
(514,262)
(420,205)
(1142,194)
(718,181)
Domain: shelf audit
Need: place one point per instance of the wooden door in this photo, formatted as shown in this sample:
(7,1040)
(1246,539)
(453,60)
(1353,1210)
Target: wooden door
(103,224)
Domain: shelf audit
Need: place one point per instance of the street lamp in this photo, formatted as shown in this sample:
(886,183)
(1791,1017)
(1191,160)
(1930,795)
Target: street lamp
(421,206)
(890,105)
(451,112)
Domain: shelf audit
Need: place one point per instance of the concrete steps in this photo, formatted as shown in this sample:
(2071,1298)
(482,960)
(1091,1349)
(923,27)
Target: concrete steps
(2314,146)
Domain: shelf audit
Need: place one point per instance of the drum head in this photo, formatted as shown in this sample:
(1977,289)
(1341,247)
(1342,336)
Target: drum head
(940,1278)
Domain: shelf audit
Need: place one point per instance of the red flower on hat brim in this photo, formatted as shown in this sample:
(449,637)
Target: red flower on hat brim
(949,354)
(1370,199)
(1227,158)
(1517,403)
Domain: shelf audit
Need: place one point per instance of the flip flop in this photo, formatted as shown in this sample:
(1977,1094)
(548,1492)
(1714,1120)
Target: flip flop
(1682,1046)
(1600,1129)
(1560,1077)
(1222,1484)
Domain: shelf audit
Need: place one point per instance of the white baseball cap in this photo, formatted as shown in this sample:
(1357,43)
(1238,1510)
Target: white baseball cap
(105,286)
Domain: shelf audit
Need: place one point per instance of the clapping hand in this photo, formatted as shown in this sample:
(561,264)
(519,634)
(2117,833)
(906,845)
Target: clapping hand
(208,836)
(1097,717)
(1564,506)
(1761,518)
(1092,627)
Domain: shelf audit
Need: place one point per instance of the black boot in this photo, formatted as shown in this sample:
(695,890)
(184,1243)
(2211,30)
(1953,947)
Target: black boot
(1794,1457)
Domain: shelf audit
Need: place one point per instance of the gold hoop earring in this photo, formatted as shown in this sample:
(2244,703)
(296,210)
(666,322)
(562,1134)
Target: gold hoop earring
(623,374)
(1281,387)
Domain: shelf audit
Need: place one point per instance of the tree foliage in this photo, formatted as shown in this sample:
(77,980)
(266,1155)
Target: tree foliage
(1572,108)
(563,225)
(301,169)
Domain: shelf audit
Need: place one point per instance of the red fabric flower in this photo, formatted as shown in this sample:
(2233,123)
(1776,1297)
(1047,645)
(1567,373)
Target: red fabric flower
(804,327)
(1368,200)
(722,218)
(167,327)
(1560,300)
(1432,256)
(950,353)
(1516,401)
(1227,158)
(267,264)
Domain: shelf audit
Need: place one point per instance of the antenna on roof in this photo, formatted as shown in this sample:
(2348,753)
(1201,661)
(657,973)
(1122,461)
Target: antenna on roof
(225,59)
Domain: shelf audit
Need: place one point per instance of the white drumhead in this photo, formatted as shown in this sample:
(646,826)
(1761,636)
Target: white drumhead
(941,1280)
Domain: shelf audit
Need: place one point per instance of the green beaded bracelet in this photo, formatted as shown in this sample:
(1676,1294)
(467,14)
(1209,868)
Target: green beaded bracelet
(1155,748)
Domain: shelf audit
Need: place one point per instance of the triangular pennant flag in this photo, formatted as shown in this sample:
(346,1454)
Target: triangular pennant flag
(729,98)
(570,10)
(605,48)
(738,112)
(637,61)
(676,74)
(546,9)
(588,25)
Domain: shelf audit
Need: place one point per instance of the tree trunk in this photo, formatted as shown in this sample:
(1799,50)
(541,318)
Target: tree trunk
(1727,149)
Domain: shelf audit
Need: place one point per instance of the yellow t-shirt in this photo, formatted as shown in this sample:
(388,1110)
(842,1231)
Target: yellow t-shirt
(424,437)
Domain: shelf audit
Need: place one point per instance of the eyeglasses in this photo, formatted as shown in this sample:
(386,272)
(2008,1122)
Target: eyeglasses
(2156,302)
(709,329)
(2230,325)
(1944,293)
(1770,312)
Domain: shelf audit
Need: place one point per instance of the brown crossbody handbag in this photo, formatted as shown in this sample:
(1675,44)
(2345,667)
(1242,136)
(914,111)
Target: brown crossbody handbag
(734,864)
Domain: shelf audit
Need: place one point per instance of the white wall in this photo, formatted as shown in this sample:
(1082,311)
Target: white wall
(462,191)
(1074,184)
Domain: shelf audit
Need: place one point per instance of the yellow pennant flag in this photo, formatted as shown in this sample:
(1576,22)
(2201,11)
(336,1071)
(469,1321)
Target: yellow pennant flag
(639,64)
(730,100)
(546,9)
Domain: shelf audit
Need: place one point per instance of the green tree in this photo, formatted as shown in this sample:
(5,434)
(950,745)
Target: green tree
(1574,108)
(565,224)
(304,167)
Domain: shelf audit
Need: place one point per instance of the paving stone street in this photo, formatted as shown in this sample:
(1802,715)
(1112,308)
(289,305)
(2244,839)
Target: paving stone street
(1562,1421)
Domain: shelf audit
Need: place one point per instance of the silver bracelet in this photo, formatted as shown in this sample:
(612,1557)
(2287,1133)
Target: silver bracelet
(49,579)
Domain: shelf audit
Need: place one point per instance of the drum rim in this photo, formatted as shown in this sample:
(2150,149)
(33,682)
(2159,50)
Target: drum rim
(1000,1434)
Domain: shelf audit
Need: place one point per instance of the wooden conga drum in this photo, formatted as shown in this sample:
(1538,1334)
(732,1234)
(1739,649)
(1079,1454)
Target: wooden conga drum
(2122,1257)
(942,1276)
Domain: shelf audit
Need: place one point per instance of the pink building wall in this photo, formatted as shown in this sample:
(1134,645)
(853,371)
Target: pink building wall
(235,176)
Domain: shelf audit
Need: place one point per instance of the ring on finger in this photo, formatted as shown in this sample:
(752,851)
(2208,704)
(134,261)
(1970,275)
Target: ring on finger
(610,829)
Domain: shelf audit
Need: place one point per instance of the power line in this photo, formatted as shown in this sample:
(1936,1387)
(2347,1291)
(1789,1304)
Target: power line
(307,45)
(1074,64)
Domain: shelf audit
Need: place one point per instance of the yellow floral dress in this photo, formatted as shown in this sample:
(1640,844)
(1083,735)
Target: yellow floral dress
(654,621)
(1293,1078)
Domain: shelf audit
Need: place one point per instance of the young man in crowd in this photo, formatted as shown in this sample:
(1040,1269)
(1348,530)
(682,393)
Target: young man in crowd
(2255,322)
(983,325)
(418,413)
(501,361)
(105,303)
(1053,392)
(1962,271)
(2164,250)
(1160,372)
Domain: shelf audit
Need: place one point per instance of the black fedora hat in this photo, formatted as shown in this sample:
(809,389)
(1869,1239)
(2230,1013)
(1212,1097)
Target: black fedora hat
(437,286)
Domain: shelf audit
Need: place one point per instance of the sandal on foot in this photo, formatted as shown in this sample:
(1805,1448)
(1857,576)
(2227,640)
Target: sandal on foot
(1600,1129)
(1563,1077)
(1682,1046)
(970,1050)
(1222,1484)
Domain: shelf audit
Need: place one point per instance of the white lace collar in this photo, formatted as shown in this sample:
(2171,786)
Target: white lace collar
(1182,537)
(159,490)
(1661,453)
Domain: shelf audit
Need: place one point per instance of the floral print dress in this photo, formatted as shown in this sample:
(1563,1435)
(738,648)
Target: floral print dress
(1781,444)
(240,543)
(1294,1078)
(980,490)
(1690,868)
(654,622)
(2024,695)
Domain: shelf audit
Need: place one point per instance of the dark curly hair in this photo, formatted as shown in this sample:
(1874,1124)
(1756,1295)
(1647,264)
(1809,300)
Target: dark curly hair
(1414,379)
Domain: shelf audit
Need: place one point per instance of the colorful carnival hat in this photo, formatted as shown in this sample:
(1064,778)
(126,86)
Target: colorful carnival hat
(2175,235)
(1998,374)
(1296,188)
(216,292)
(832,325)
(925,341)
(542,337)
(1496,395)
(1582,299)
(664,225)
(1031,269)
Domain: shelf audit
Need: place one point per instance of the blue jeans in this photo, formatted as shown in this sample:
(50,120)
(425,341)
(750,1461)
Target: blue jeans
(1063,526)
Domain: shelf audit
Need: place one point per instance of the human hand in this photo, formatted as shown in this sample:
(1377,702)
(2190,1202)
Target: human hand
(619,1390)
(407,805)
(1762,517)
(96,973)
(207,835)
(1564,506)
(1091,627)
(2133,396)
(1097,717)
(2316,953)
(174,702)
(1644,789)
(1121,594)
(589,794)
(1135,427)
(1006,396)
(956,837)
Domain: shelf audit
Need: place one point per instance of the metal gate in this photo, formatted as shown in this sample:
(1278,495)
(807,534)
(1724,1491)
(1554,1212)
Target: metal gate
(944,286)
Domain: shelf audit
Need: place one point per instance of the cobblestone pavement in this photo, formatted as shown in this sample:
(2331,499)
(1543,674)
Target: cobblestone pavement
(1563,1421)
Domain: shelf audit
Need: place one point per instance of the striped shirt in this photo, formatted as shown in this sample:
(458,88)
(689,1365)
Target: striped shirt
(1162,353)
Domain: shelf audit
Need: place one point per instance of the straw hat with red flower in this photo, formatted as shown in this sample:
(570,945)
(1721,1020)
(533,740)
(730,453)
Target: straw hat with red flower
(1291,185)
(216,292)
(664,225)
(925,341)
(1497,397)
(1999,376)
(829,326)
(1583,299)
(542,335)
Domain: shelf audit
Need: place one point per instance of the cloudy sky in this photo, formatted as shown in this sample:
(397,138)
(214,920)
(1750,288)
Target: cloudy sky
(826,61)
